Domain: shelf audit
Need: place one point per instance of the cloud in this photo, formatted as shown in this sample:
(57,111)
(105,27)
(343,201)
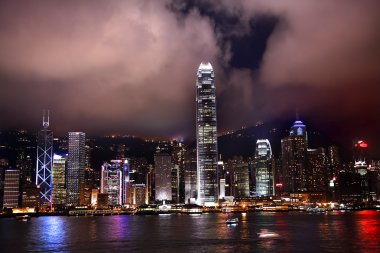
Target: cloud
(322,57)
(315,42)
(121,65)
(129,66)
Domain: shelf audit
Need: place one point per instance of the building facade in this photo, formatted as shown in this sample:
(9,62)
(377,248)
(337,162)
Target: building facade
(263,168)
(317,170)
(190,176)
(241,179)
(293,158)
(44,162)
(75,166)
(206,135)
(178,157)
(163,176)
(114,181)
(11,188)
(59,180)
(175,184)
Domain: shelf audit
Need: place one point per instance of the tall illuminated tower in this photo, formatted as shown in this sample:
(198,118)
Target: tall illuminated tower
(44,161)
(263,168)
(293,155)
(207,147)
(75,166)
(59,180)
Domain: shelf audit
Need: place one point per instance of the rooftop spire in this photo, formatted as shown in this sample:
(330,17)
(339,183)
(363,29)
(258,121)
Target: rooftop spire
(45,121)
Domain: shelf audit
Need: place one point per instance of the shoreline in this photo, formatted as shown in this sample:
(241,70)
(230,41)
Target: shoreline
(36,215)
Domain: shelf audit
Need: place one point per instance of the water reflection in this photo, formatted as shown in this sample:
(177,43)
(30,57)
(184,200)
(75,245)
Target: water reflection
(301,232)
(52,233)
(368,230)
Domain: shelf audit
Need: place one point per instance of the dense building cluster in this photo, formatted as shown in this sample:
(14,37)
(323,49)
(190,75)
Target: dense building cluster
(56,174)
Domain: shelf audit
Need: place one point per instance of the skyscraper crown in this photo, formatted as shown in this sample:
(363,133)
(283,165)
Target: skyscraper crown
(205,66)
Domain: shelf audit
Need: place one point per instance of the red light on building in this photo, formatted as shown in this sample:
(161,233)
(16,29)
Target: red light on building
(279,185)
(362,144)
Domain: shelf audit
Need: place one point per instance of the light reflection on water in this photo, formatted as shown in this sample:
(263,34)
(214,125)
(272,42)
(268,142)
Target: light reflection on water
(298,232)
(50,233)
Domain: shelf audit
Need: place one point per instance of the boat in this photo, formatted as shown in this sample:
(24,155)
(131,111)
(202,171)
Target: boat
(316,210)
(23,217)
(265,233)
(232,221)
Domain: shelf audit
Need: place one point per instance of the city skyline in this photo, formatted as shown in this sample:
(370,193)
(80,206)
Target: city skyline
(190,125)
(270,59)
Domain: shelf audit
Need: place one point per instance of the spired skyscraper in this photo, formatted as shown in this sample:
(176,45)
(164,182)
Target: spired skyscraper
(44,162)
(207,146)
(75,167)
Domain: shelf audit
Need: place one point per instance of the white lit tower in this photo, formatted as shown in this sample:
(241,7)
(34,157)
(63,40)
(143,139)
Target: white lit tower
(115,181)
(263,168)
(206,134)
(75,167)
(44,161)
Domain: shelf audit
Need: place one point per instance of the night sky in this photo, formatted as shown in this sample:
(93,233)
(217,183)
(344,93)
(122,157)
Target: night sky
(129,67)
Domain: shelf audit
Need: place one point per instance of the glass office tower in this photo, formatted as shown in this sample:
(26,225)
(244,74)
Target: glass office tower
(263,168)
(44,162)
(206,134)
(75,167)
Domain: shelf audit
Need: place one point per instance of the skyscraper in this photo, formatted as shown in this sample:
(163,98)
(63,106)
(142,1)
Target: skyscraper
(206,134)
(75,166)
(263,168)
(11,188)
(241,179)
(293,156)
(333,161)
(360,149)
(163,180)
(24,161)
(114,180)
(178,156)
(175,184)
(360,156)
(44,162)
(59,180)
(190,176)
(317,170)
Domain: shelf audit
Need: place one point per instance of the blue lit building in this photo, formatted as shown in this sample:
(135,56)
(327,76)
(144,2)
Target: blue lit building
(293,156)
(44,179)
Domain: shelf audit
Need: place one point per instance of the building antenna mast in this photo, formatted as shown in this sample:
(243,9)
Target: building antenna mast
(45,123)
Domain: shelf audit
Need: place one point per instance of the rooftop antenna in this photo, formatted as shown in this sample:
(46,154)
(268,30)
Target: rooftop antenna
(45,122)
(297,114)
